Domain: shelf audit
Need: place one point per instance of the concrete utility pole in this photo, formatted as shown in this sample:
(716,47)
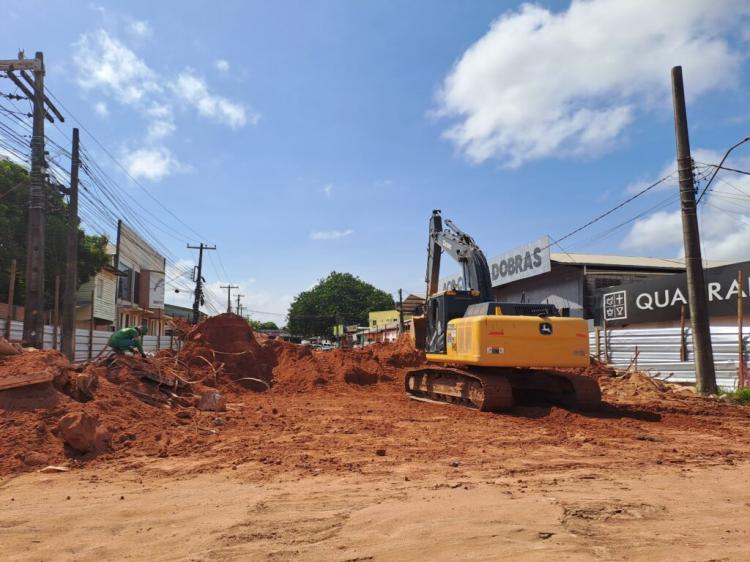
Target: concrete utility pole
(198,300)
(71,265)
(705,375)
(33,320)
(239,306)
(229,295)
(33,89)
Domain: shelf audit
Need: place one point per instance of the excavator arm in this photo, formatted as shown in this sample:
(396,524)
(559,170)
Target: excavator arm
(462,248)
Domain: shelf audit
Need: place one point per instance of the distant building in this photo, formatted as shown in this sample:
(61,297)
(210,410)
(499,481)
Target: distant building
(95,300)
(182,312)
(381,318)
(533,274)
(413,305)
(140,289)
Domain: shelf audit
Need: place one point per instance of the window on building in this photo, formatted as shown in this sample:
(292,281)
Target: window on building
(136,288)
(124,283)
(100,288)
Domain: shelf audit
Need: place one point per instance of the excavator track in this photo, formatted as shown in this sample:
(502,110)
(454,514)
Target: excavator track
(495,390)
(488,393)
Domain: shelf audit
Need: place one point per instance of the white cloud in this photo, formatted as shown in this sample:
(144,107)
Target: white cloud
(152,163)
(162,121)
(222,65)
(328,190)
(330,234)
(724,219)
(140,28)
(659,230)
(105,63)
(193,90)
(542,84)
(101,109)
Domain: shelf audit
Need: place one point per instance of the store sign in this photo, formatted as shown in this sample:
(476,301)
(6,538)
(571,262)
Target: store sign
(525,261)
(156,289)
(664,299)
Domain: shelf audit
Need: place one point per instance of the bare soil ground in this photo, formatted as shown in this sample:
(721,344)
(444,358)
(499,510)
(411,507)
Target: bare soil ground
(334,462)
(373,475)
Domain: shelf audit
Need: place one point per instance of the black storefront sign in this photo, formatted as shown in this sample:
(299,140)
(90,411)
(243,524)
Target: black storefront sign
(663,298)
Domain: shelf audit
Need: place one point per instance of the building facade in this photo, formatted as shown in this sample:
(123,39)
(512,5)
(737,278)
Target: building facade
(95,301)
(140,289)
(533,274)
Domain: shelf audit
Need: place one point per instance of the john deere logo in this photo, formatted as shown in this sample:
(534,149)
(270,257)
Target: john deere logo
(545,328)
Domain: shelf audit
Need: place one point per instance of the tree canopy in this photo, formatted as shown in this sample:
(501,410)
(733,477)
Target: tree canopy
(258,325)
(340,298)
(14,196)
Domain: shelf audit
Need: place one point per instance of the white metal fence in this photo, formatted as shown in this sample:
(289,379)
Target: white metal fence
(661,351)
(87,348)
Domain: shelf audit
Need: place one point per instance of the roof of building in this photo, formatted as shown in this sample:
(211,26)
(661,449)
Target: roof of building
(412,302)
(627,261)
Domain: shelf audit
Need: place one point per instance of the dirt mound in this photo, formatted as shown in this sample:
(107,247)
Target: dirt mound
(401,353)
(51,363)
(227,342)
(639,387)
(299,369)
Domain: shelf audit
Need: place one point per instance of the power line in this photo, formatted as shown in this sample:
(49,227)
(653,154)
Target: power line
(610,211)
(717,168)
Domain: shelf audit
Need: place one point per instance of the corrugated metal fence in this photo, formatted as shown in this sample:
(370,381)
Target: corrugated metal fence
(659,352)
(87,349)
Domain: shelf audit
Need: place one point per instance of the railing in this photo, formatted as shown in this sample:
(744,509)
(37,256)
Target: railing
(90,344)
(668,352)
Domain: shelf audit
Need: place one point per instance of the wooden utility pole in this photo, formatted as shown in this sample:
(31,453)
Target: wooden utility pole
(198,300)
(71,264)
(11,295)
(239,306)
(229,295)
(56,314)
(400,311)
(705,375)
(740,340)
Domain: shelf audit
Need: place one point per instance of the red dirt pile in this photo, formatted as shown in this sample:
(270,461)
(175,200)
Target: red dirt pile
(127,407)
(228,343)
(299,369)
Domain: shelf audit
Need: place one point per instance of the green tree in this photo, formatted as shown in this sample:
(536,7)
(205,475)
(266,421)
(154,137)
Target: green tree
(258,325)
(340,298)
(14,195)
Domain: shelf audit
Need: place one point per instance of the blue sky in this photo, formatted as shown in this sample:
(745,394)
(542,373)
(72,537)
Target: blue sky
(304,137)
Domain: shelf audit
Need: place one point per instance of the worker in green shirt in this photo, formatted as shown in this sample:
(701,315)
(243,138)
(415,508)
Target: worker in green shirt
(127,339)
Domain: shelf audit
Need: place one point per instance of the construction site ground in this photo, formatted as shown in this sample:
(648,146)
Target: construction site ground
(334,462)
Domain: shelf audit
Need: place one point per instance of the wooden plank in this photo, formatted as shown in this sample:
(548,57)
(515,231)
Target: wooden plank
(26,379)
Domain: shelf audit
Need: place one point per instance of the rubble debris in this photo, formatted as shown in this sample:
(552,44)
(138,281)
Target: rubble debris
(52,469)
(30,368)
(9,348)
(212,401)
(24,379)
(80,431)
(34,458)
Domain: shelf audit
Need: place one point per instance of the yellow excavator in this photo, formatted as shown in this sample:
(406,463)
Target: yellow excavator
(487,354)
